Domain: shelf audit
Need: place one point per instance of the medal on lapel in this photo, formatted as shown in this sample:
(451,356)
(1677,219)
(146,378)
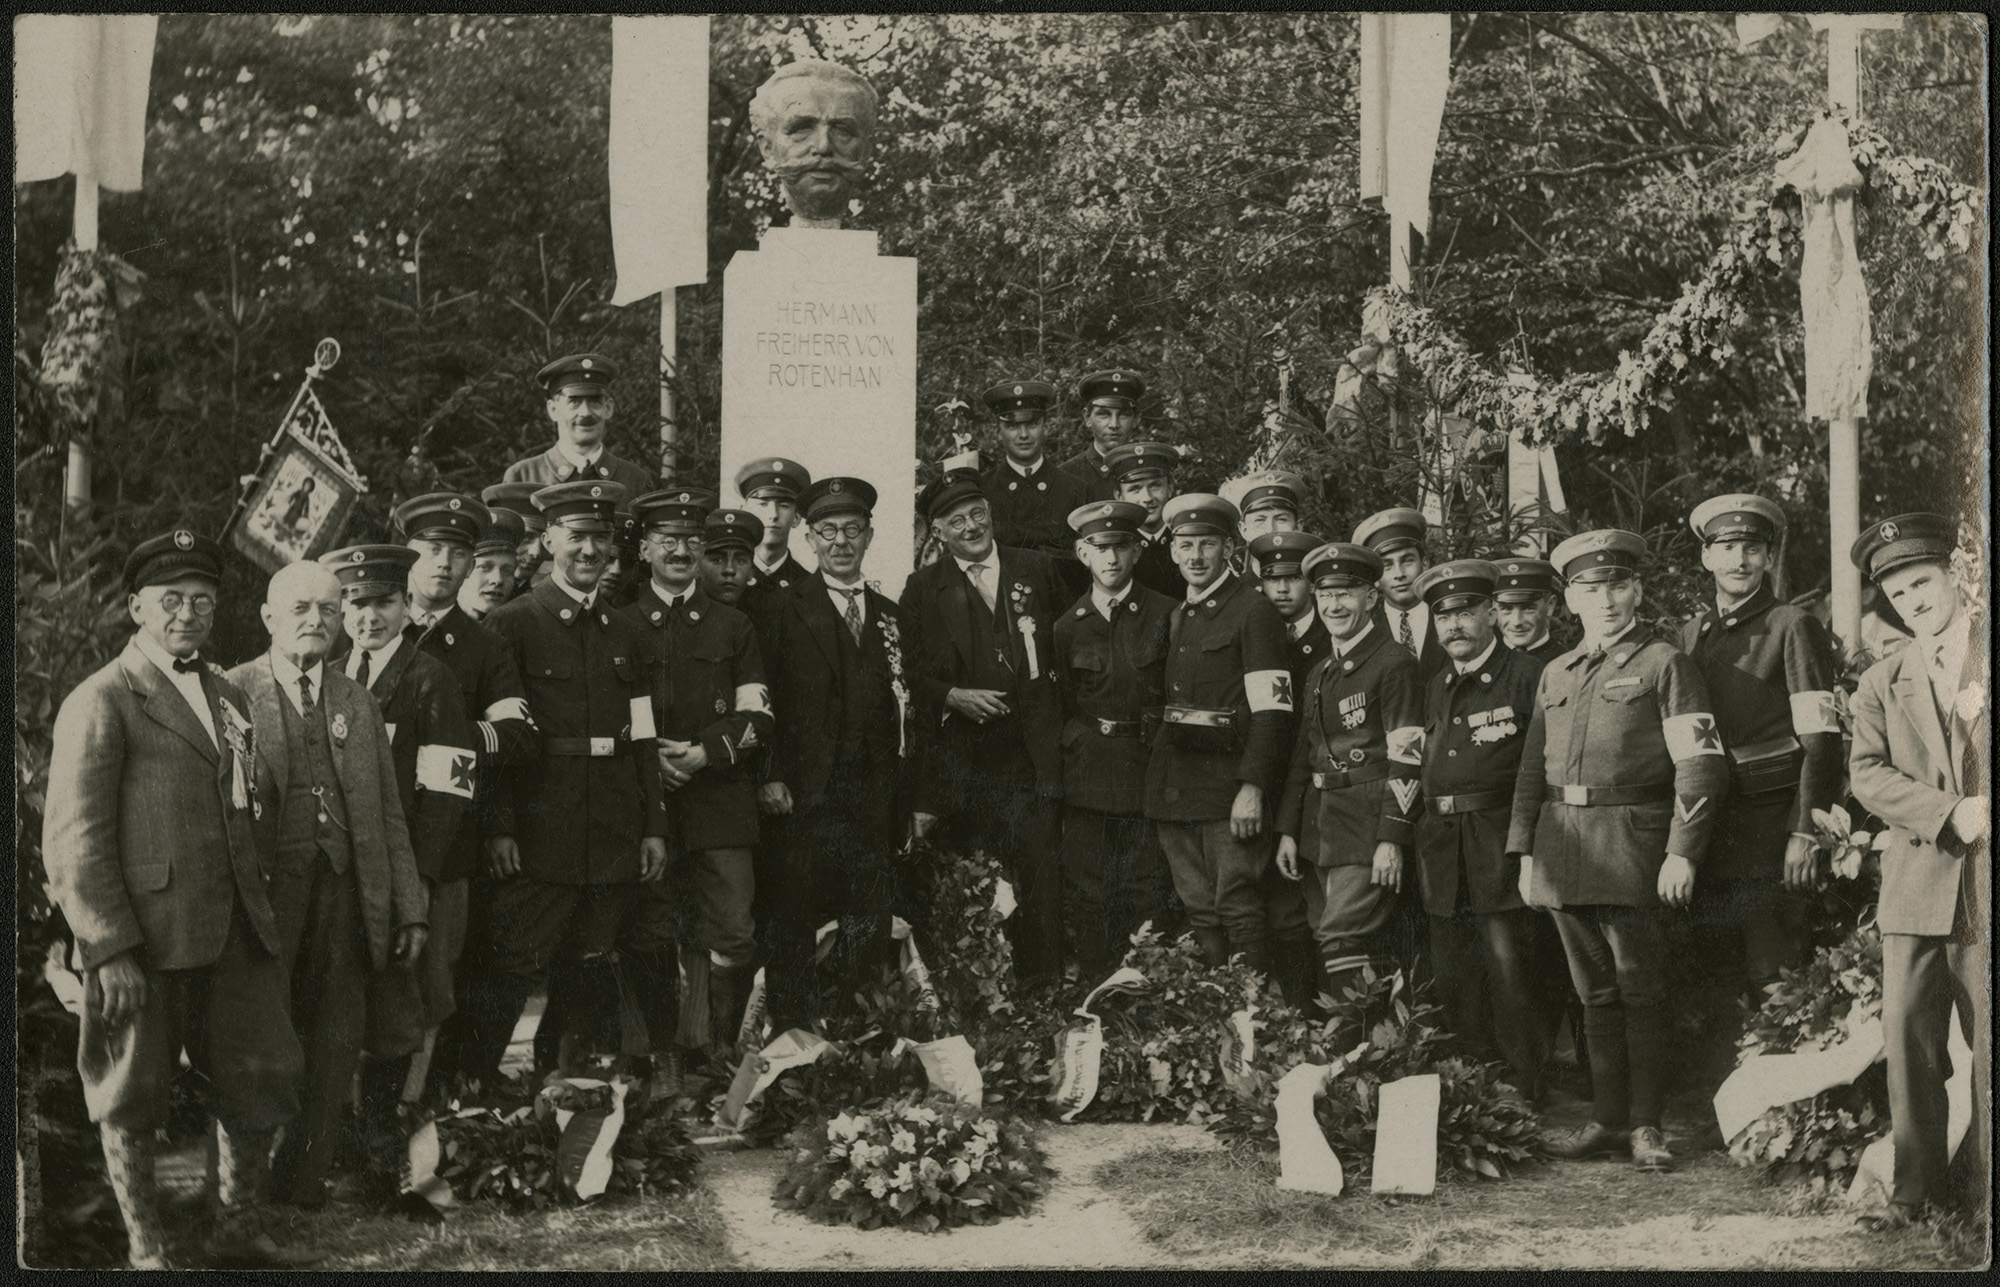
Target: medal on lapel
(1353,709)
(339,727)
(1491,726)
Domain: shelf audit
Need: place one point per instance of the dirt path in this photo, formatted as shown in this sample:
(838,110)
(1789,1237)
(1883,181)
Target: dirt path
(1078,1226)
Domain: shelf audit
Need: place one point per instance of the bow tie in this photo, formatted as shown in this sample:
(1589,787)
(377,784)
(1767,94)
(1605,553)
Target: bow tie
(188,665)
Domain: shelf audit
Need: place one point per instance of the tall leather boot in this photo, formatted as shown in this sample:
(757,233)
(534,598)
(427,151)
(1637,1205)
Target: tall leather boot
(655,979)
(382,1136)
(693,1032)
(728,993)
(1610,1075)
(494,1008)
(561,1017)
(128,1163)
(241,1239)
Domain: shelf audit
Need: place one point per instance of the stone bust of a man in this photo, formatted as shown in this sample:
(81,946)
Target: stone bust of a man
(815,124)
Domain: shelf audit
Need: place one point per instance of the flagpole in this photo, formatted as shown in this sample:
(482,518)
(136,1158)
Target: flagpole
(1843,447)
(83,226)
(669,360)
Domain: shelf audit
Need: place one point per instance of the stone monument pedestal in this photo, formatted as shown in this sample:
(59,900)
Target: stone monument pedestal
(819,364)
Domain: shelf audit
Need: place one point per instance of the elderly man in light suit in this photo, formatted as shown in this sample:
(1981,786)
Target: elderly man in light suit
(350,907)
(153,859)
(1921,729)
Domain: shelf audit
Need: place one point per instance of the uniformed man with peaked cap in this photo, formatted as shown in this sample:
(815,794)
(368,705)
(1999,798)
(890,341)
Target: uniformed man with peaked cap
(1031,495)
(1398,536)
(1921,762)
(1525,592)
(573,832)
(496,560)
(840,665)
(1268,499)
(580,405)
(1276,559)
(770,487)
(531,566)
(1614,806)
(1111,418)
(1346,819)
(1483,939)
(152,856)
(1225,726)
(712,710)
(1769,670)
(730,538)
(1142,473)
(1110,655)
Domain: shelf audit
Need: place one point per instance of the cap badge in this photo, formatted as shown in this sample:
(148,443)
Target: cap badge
(458,504)
(596,492)
(684,498)
(183,540)
(357,557)
(729,518)
(588,364)
(836,485)
(1018,390)
(1888,531)
(1513,567)
(778,465)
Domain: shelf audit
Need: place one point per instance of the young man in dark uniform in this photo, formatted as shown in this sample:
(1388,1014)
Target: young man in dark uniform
(840,669)
(580,406)
(1397,535)
(1613,809)
(1142,474)
(1526,596)
(712,711)
(1769,670)
(1111,418)
(1922,762)
(531,563)
(443,528)
(982,648)
(770,487)
(1350,802)
(573,832)
(1111,654)
(1482,936)
(1277,559)
(1220,752)
(1268,499)
(728,554)
(496,560)
(424,714)
(1031,495)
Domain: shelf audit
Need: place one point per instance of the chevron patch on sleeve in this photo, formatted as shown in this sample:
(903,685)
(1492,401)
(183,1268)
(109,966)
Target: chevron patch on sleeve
(1406,793)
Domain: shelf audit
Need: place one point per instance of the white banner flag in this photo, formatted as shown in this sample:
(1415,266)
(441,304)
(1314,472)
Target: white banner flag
(659,154)
(1405,73)
(80,96)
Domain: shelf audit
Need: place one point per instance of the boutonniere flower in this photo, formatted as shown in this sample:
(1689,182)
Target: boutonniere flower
(892,637)
(1971,701)
(237,735)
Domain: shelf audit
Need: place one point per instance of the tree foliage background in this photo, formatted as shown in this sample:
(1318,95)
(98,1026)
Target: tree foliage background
(1175,193)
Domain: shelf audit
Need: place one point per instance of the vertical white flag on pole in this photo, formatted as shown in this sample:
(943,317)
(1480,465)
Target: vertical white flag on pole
(1405,72)
(659,154)
(80,96)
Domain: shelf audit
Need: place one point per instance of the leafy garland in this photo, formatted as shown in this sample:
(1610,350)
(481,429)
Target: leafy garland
(514,1157)
(91,287)
(923,1162)
(1764,232)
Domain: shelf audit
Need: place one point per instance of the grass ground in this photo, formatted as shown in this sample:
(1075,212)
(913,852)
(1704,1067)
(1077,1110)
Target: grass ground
(1710,1213)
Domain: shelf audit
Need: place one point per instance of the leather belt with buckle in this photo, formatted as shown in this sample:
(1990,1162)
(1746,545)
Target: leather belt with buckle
(1119,727)
(1468,801)
(1334,779)
(594,747)
(1589,796)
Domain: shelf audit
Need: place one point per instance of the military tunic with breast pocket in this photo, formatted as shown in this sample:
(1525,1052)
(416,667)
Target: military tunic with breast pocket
(1475,726)
(579,810)
(1623,766)
(1352,783)
(1113,674)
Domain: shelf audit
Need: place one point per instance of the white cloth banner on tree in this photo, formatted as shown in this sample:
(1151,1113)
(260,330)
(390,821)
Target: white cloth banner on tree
(1875,1178)
(658,152)
(80,85)
(1406,1135)
(1405,74)
(1833,298)
(1772,1081)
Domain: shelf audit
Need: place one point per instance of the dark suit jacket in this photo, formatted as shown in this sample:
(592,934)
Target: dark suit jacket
(428,737)
(384,866)
(939,601)
(803,661)
(142,842)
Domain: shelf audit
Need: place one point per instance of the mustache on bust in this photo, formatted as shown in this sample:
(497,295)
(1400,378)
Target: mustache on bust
(798,169)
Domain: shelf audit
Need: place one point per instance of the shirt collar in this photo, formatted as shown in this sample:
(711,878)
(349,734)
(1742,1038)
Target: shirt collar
(1025,471)
(556,580)
(1214,588)
(1944,652)
(288,675)
(991,563)
(1759,600)
(672,600)
(159,656)
(1480,661)
(581,462)
(757,561)
(377,657)
(1342,647)
(1539,641)
(1297,629)
(1588,646)
(1106,604)
(835,587)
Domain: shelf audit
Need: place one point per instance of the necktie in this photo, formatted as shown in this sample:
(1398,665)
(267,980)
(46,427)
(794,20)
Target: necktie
(188,665)
(1403,635)
(306,694)
(853,609)
(978,572)
(361,674)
